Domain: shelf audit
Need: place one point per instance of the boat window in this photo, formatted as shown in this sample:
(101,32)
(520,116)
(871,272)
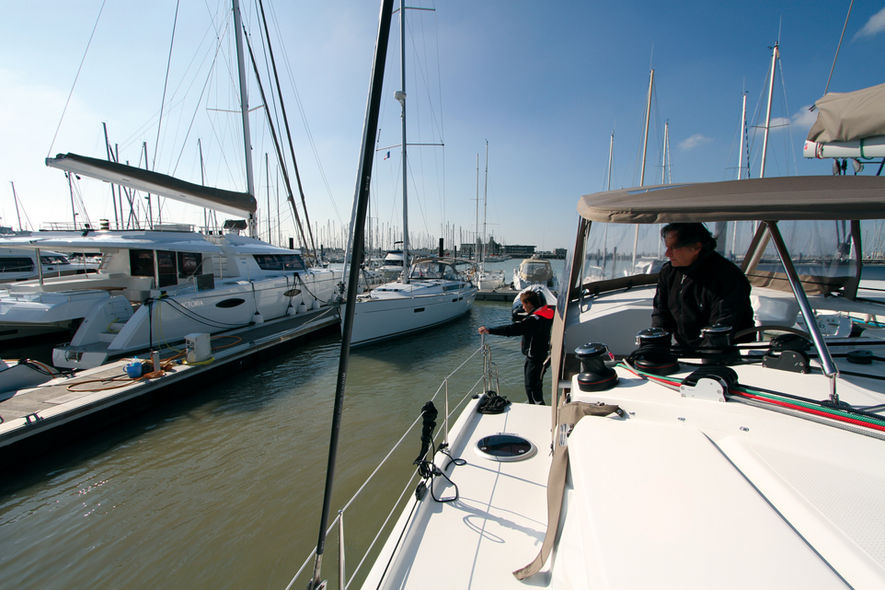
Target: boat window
(189,264)
(16,264)
(166,267)
(280,262)
(141,263)
(53,259)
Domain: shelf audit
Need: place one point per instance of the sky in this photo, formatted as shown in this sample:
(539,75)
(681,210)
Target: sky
(542,84)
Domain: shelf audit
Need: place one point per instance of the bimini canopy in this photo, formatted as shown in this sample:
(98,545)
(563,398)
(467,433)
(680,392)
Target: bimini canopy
(234,203)
(769,199)
(846,116)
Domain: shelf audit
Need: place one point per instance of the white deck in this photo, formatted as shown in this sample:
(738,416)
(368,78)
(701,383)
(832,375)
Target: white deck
(682,493)
(495,526)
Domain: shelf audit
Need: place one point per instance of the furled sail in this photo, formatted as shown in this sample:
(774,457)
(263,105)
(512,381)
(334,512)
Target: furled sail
(848,125)
(232,202)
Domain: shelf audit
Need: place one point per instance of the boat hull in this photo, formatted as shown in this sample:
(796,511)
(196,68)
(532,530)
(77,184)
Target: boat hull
(379,319)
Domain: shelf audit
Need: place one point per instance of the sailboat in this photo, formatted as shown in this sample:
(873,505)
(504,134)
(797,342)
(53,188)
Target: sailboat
(155,287)
(429,292)
(486,280)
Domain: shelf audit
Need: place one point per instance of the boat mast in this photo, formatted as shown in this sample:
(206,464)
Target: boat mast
(244,112)
(401,97)
(774,55)
(361,198)
(485,205)
(665,152)
(743,133)
(651,84)
(611,151)
(15,200)
(476,214)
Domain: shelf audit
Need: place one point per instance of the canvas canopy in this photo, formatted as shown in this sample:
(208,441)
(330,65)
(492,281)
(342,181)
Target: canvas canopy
(848,116)
(769,199)
(223,200)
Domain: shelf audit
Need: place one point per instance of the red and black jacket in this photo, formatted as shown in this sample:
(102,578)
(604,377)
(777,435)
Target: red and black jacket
(535,332)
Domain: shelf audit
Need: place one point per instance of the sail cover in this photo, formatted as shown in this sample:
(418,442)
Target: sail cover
(849,116)
(234,203)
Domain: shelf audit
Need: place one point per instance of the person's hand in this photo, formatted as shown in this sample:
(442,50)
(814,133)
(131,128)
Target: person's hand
(483,330)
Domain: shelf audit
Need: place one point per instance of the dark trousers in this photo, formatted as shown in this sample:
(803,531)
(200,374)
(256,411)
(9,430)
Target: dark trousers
(534,374)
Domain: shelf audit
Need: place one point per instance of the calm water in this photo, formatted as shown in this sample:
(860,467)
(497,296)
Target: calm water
(222,488)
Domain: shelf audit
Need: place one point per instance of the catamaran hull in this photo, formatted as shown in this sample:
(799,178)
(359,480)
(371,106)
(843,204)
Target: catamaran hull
(33,314)
(167,320)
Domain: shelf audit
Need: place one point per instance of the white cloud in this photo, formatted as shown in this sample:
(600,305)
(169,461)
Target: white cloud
(804,118)
(874,26)
(694,141)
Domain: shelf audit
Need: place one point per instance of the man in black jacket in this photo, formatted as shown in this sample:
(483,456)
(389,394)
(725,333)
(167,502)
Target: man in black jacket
(698,287)
(535,332)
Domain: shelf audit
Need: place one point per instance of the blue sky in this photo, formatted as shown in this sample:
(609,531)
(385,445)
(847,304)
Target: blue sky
(544,83)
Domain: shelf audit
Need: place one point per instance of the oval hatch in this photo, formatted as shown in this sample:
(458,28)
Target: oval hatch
(505,447)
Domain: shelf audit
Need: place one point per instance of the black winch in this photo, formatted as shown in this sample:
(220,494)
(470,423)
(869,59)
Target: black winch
(595,375)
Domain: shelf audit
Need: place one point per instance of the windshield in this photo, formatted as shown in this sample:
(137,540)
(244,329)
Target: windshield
(433,270)
(822,251)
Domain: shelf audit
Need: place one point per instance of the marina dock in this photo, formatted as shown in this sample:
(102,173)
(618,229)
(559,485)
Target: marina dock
(28,414)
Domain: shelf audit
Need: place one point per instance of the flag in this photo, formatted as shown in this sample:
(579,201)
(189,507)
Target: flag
(387,155)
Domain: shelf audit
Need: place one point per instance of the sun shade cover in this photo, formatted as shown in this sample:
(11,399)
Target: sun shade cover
(769,199)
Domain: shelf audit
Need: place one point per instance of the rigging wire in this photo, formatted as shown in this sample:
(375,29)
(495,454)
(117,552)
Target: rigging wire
(310,138)
(165,82)
(833,67)
(76,77)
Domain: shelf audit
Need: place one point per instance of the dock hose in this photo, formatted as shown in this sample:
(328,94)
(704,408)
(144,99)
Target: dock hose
(427,468)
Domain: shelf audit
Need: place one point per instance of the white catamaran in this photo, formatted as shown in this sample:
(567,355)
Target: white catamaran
(155,287)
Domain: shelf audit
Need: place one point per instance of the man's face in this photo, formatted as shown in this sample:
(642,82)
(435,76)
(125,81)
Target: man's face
(528,307)
(681,255)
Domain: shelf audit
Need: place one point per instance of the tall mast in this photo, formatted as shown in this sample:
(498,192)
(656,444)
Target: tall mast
(485,205)
(651,83)
(743,132)
(476,214)
(665,152)
(611,149)
(244,111)
(774,55)
(15,200)
(401,97)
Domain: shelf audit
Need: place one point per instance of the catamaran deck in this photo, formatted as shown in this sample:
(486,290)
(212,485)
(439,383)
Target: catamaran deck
(27,413)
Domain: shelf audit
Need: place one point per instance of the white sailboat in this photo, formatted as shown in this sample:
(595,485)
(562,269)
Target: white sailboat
(429,291)
(156,287)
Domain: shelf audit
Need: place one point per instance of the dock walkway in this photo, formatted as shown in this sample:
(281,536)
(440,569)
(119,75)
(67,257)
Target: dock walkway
(26,413)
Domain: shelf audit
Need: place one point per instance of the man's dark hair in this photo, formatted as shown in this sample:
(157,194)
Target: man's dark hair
(532,297)
(690,233)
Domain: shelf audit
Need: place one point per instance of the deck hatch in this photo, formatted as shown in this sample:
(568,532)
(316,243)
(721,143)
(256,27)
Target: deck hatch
(505,447)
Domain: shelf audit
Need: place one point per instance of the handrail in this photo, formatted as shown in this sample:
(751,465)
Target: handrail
(487,370)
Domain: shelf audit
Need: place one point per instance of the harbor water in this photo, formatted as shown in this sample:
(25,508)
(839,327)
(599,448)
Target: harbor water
(221,486)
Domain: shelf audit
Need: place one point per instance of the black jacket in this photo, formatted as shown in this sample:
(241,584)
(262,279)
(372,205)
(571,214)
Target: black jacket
(710,291)
(535,332)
